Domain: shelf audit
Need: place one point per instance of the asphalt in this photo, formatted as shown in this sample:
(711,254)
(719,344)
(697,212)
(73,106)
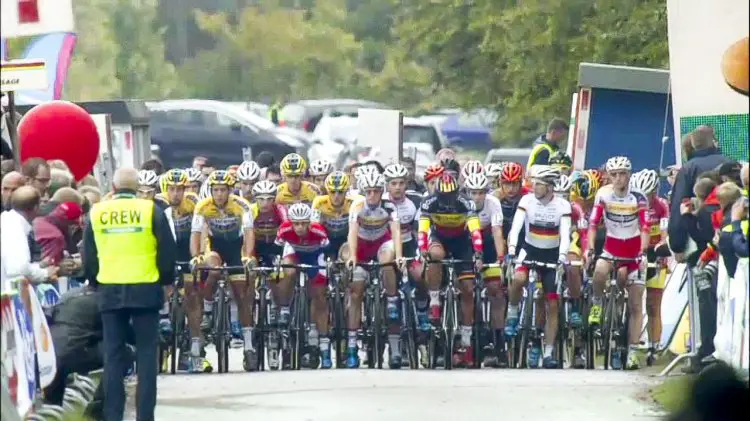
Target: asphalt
(434,395)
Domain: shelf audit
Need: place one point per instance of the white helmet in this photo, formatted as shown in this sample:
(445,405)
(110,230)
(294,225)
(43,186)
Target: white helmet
(205,191)
(248,171)
(563,184)
(264,188)
(476,181)
(393,171)
(299,212)
(194,175)
(147,178)
(545,174)
(493,169)
(321,167)
(618,163)
(472,167)
(645,181)
(372,181)
(365,170)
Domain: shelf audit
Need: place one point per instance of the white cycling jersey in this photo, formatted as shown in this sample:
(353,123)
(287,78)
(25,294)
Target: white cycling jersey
(407,212)
(373,221)
(624,216)
(543,223)
(491,213)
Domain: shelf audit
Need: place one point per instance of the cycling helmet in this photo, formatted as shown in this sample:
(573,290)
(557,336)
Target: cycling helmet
(646,181)
(293,164)
(617,163)
(563,184)
(248,171)
(299,212)
(194,175)
(372,181)
(321,167)
(220,177)
(451,165)
(493,170)
(364,170)
(512,172)
(264,188)
(174,177)
(447,184)
(596,176)
(581,188)
(433,171)
(147,178)
(476,182)
(561,160)
(394,171)
(546,174)
(337,181)
(472,167)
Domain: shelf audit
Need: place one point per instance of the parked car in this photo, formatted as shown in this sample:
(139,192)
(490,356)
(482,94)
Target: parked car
(520,155)
(306,114)
(258,108)
(182,129)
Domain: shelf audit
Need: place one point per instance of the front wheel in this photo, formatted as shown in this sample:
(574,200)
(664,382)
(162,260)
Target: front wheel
(221,326)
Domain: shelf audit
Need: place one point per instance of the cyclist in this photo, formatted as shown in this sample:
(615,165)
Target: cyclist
(624,213)
(229,222)
(294,189)
(452,167)
(148,182)
(374,234)
(546,219)
(195,180)
(490,215)
(319,170)
(646,182)
(455,227)
(493,171)
(304,242)
(431,176)
(248,174)
(469,168)
(574,274)
(510,193)
(562,162)
(332,211)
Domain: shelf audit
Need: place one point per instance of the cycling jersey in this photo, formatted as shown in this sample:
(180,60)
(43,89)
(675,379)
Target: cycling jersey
(335,220)
(580,223)
(305,250)
(448,221)
(491,213)
(407,212)
(547,225)
(373,221)
(509,206)
(657,218)
(306,194)
(224,224)
(266,225)
(624,218)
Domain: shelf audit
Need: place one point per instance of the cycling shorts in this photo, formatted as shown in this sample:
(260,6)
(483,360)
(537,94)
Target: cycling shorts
(334,246)
(545,275)
(368,250)
(489,255)
(267,253)
(409,248)
(316,277)
(230,253)
(655,278)
(624,249)
(459,248)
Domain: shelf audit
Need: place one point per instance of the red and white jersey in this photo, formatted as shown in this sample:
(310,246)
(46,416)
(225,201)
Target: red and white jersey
(315,240)
(624,216)
(658,219)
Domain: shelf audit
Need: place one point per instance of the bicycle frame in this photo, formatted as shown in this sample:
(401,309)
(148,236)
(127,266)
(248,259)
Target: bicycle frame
(528,309)
(616,315)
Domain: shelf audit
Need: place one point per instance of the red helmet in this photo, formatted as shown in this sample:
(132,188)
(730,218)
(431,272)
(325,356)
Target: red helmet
(512,172)
(433,171)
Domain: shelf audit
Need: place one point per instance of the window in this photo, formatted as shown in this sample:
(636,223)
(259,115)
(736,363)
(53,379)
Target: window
(183,117)
(422,134)
(213,120)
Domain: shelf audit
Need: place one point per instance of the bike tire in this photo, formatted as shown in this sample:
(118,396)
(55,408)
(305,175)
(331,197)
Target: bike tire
(177,326)
(527,324)
(410,327)
(563,333)
(624,339)
(478,329)
(298,324)
(608,326)
(432,345)
(261,326)
(448,309)
(222,345)
(339,325)
(377,328)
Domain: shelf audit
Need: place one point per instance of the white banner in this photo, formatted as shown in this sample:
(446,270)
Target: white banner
(23,18)
(738,304)
(45,350)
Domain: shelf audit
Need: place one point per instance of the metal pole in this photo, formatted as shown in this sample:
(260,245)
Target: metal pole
(694,326)
(12,132)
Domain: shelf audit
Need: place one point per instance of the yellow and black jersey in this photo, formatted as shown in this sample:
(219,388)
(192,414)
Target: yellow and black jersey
(181,215)
(448,219)
(335,220)
(266,224)
(227,223)
(306,194)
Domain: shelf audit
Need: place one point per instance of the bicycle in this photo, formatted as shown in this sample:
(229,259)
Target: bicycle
(336,296)
(568,336)
(482,316)
(529,332)
(222,334)
(261,314)
(408,319)
(177,317)
(651,354)
(374,326)
(299,325)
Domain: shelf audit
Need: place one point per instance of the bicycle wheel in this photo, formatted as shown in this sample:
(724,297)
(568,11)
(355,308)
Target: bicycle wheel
(609,324)
(338,324)
(527,324)
(177,320)
(449,316)
(261,327)
(298,325)
(624,329)
(478,330)
(377,328)
(409,329)
(220,328)
(563,333)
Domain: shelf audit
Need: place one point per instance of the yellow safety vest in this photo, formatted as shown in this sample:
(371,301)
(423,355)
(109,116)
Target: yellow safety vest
(125,241)
(534,152)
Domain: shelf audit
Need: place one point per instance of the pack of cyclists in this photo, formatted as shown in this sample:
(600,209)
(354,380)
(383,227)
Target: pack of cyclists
(497,222)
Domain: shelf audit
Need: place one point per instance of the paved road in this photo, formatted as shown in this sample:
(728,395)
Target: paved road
(369,395)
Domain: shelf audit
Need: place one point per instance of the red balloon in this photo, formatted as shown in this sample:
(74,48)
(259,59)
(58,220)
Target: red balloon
(60,130)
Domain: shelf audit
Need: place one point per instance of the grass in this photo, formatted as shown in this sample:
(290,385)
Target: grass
(673,393)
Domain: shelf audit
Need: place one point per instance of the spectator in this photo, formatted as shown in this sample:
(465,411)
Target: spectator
(549,143)
(265,159)
(199,162)
(739,227)
(58,164)
(730,171)
(273,173)
(88,180)
(745,177)
(62,195)
(59,179)
(705,158)
(687,147)
(91,193)
(445,153)
(697,218)
(7,166)
(53,233)
(36,173)
(727,193)
(154,165)
(10,183)
(15,227)
(411,180)
(716,394)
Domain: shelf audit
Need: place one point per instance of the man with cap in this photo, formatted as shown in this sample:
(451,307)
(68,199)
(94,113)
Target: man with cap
(129,255)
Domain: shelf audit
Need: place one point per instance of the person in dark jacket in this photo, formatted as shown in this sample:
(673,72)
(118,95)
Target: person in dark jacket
(739,227)
(705,158)
(728,194)
(129,255)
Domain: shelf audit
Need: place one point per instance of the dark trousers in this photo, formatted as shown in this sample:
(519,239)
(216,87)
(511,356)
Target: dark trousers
(82,362)
(705,282)
(146,326)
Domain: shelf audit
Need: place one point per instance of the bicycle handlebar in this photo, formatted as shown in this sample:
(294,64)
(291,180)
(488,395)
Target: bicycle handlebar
(536,264)
(300,266)
(620,259)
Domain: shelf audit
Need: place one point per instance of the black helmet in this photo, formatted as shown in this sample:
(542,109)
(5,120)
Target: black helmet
(561,160)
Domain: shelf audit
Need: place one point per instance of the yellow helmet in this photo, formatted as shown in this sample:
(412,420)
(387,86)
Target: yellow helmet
(174,177)
(220,177)
(337,181)
(293,164)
